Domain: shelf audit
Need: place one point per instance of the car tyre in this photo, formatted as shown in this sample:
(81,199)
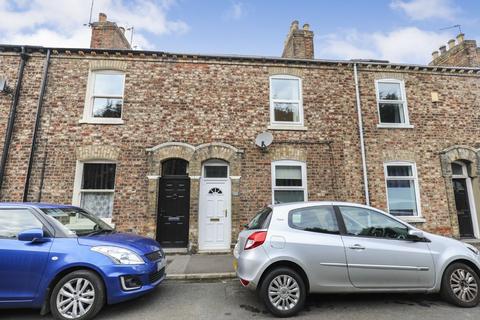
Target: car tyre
(283,292)
(461,285)
(79,295)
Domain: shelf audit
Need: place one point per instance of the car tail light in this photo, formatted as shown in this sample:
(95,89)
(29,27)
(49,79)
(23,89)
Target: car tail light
(255,239)
(244,282)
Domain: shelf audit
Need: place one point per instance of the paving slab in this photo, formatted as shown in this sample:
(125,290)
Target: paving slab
(200,266)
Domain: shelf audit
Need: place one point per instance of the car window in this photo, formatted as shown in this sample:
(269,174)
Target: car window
(316,219)
(75,221)
(261,219)
(13,221)
(368,223)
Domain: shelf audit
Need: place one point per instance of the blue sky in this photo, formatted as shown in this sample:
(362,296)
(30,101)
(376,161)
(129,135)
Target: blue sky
(396,30)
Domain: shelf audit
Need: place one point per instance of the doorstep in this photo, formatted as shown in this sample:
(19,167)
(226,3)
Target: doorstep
(200,267)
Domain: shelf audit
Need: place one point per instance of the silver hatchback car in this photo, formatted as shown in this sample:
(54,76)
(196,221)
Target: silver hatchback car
(290,250)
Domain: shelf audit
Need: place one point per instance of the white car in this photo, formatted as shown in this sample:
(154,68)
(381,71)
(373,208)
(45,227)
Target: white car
(290,250)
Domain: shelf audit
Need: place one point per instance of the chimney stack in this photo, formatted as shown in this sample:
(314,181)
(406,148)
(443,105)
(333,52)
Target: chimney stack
(108,35)
(460,53)
(299,42)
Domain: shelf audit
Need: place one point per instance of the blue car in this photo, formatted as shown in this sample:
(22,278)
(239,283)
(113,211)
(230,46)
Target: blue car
(64,260)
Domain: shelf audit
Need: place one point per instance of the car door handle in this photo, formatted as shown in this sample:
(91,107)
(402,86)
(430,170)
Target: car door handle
(357,247)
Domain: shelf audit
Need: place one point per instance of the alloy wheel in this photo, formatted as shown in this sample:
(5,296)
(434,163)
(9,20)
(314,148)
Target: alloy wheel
(75,298)
(463,285)
(284,292)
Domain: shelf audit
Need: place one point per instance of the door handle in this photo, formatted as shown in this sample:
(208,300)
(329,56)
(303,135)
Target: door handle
(357,247)
(226,212)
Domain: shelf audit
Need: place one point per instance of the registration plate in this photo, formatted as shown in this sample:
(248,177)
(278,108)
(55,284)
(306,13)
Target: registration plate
(160,265)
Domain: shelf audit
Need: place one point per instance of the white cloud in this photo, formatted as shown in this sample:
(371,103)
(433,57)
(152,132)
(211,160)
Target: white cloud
(236,11)
(61,23)
(426,9)
(406,45)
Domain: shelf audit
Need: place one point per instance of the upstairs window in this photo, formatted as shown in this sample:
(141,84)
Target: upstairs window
(105,97)
(402,189)
(286,100)
(289,181)
(392,103)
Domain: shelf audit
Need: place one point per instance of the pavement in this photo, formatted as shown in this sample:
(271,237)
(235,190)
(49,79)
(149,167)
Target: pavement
(226,299)
(200,266)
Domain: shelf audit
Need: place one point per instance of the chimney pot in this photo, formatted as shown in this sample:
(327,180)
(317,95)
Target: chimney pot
(102,17)
(435,55)
(451,43)
(443,49)
(294,25)
(306,27)
(460,37)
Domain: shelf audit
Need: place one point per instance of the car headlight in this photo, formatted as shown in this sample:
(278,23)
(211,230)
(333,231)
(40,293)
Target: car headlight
(119,255)
(471,248)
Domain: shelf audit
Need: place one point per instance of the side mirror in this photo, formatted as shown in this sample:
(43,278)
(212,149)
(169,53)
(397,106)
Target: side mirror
(31,235)
(416,235)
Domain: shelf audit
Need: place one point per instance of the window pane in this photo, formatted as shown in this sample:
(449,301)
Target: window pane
(107,108)
(285,89)
(108,85)
(457,169)
(286,112)
(261,220)
(288,176)
(389,91)
(391,113)
(215,171)
(284,196)
(365,222)
(401,197)
(13,222)
(316,219)
(98,203)
(98,176)
(174,167)
(399,171)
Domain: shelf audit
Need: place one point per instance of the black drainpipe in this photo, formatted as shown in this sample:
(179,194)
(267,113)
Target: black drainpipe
(11,119)
(43,87)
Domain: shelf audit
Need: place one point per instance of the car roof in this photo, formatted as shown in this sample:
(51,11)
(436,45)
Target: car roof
(39,205)
(302,204)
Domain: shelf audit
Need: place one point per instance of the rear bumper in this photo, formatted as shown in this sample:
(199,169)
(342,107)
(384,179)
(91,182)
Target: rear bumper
(251,264)
(150,274)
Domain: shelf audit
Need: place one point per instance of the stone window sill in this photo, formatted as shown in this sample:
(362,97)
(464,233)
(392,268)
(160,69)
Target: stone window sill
(394,126)
(102,121)
(287,127)
(412,219)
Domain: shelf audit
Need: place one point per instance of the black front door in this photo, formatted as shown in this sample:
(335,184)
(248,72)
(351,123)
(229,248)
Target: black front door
(173,211)
(463,208)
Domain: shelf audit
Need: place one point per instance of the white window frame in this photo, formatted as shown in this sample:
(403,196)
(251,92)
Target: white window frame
(287,188)
(415,218)
(287,125)
(471,199)
(89,98)
(77,186)
(403,101)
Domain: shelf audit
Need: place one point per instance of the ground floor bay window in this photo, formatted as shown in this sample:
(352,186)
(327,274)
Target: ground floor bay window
(402,189)
(289,181)
(95,188)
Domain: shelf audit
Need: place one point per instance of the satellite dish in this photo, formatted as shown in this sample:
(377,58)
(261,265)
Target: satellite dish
(263,140)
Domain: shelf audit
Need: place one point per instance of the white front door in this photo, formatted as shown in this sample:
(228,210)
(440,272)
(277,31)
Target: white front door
(215,208)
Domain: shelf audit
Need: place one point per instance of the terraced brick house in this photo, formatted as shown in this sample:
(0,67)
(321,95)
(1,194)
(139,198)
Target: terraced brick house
(163,144)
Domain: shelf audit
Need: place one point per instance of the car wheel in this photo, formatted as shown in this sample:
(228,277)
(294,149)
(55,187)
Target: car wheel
(460,285)
(79,295)
(283,292)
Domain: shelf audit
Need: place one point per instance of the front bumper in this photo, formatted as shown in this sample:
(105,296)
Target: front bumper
(151,274)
